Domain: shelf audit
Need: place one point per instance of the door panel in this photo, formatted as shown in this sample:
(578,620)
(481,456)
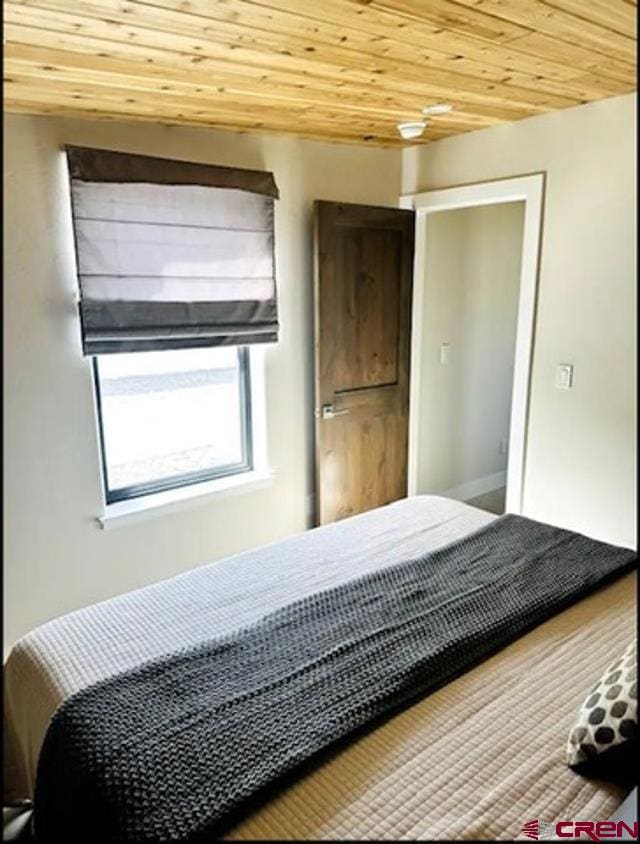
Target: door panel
(363,268)
(367,340)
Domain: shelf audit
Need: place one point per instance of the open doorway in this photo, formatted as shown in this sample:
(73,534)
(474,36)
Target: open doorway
(470,312)
(474,297)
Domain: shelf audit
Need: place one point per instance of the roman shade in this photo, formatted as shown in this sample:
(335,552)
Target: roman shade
(171,254)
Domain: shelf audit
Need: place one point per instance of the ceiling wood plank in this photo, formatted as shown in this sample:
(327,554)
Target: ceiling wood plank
(219,79)
(375,19)
(456,18)
(492,64)
(239,100)
(343,70)
(59,64)
(617,15)
(207,18)
(554,22)
(267,51)
(79,97)
(484,99)
(539,43)
(36,108)
(365,29)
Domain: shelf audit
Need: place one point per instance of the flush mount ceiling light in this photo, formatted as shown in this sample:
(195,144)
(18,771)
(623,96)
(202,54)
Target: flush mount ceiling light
(438,108)
(412,130)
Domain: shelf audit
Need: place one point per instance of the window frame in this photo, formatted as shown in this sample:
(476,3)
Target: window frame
(134,491)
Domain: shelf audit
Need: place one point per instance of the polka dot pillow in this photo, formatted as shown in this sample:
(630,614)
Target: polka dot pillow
(604,740)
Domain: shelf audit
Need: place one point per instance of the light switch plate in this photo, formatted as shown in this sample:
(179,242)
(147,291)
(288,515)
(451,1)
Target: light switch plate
(444,353)
(564,376)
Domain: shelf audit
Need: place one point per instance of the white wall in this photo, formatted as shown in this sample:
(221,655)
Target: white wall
(56,557)
(580,469)
(471,285)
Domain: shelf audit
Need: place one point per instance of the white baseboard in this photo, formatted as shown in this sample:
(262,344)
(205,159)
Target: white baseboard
(478,487)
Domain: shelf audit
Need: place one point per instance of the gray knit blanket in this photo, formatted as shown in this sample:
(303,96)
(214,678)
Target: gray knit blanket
(176,749)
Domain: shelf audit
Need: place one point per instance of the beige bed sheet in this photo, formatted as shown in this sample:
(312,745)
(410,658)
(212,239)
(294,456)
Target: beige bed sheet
(475,760)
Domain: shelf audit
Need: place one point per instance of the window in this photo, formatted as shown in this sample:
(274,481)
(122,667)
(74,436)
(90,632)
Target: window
(176,282)
(172,418)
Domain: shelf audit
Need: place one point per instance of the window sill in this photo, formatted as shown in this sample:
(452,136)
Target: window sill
(172,500)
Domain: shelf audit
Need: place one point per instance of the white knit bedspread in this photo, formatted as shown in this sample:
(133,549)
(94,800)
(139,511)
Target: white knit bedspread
(67,654)
(476,759)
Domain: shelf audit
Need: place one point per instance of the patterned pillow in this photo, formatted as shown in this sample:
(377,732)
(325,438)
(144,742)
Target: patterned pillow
(604,740)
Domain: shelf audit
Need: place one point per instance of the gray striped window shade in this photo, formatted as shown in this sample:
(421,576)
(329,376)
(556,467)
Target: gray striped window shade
(171,254)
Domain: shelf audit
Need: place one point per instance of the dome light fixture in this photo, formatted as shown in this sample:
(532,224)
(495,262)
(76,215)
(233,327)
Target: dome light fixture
(412,130)
(438,108)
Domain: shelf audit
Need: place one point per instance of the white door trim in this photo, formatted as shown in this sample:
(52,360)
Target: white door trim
(529,189)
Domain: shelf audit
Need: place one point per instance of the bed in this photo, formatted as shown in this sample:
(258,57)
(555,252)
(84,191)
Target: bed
(474,760)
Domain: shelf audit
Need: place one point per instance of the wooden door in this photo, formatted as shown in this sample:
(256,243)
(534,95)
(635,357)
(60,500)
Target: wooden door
(363,280)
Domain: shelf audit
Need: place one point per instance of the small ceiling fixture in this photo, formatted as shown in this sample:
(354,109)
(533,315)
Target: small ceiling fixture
(438,108)
(412,130)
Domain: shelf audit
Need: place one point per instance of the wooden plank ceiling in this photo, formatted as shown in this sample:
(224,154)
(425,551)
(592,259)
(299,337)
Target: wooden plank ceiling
(340,70)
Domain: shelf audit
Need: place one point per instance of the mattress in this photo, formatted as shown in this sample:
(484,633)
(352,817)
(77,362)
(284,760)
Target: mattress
(474,760)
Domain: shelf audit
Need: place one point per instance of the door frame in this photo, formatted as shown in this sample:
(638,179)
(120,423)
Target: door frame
(530,189)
